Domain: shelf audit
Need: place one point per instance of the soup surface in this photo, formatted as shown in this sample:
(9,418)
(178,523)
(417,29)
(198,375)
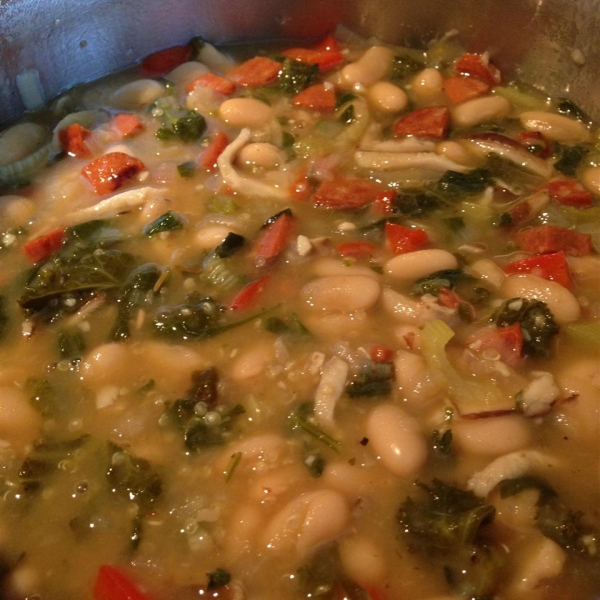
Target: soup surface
(321,322)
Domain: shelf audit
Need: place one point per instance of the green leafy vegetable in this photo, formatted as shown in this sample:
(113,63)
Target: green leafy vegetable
(416,203)
(570,109)
(454,184)
(186,169)
(296,76)
(374,379)
(166,222)
(229,246)
(301,419)
(570,159)
(536,321)
(217,579)
(432,284)
(291,326)
(315,464)
(189,127)
(404,66)
(442,442)
(71,344)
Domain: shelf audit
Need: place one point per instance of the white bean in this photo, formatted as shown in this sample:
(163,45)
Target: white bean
(387,97)
(590,179)
(242,531)
(137,93)
(351,480)
(344,293)
(396,439)
(403,308)
(307,521)
(259,453)
(457,153)
(252,361)
(363,559)
(245,112)
(414,265)
(16,210)
(491,436)
(481,110)
(20,423)
(489,272)
(428,86)
(372,66)
(260,154)
(322,267)
(278,481)
(335,325)
(20,141)
(561,302)
(186,73)
(416,383)
(211,236)
(557,128)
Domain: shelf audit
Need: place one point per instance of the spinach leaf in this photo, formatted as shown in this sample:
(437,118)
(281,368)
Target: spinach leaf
(442,442)
(374,379)
(189,127)
(169,221)
(416,203)
(71,344)
(454,184)
(570,159)
(404,66)
(296,76)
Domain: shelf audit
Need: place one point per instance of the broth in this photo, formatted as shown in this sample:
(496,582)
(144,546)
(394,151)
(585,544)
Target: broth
(322,323)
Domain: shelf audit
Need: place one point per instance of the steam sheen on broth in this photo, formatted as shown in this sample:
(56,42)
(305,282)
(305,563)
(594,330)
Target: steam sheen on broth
(317,322)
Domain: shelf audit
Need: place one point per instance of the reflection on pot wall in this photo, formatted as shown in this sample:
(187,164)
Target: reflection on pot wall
(60,43)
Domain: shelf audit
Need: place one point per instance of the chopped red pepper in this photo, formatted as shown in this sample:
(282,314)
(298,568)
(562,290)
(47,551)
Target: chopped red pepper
(506,341)
(255,72)
(553,267)
(208,157)
(461,88)
(326,54)
(381,354)
(548,238)
(44,246)
(569,192)
(474,65)
(110,171)
(127,124)
(428,122)
(274,237)
(72,140)
(219,84)
(448,298)
(405,239)
(345,193)
(247,295)
(357,249)
(316,97)
(163,61)
(113,584)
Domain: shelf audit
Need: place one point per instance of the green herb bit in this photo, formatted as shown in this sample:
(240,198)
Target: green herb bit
(570,159)
(168,221)
(217,579)
(344,98)
(315,464)
(570,109)
(442,442)
(404,66)
(417,203)
(375,379)
(301,418)
(187,169)
(347,116)
(454,184)
(230,245)
(296,76)
(190,127)
(234,461)
(292,326)
(71,344)
(132,478)
(44,397)
(432,284)
(536,321)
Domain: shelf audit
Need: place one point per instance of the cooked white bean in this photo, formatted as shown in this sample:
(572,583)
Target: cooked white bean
(491,436)
(457,153)
(137,93)
(260,154)
(590,179)
(585,269)
(16,210)
(414,265)
(344,293)
(561,302)
(244,524)
(557,128)
(245,112)
(487,270)
(323,267)
(20,423)
(518,512)
(395,437)
(329,325)
(408,310)
(387,97)
(251,361)
(363,559)
(20,141)
(481,110)
(279,480)
(351,480)
(372,66)
(211,236)
(307,521)
(416,382)
(428,86)
(259,453)
(186,73)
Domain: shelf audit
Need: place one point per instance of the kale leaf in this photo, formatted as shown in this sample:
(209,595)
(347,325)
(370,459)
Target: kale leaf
(296,76)
(189,127)
(570,159)
(536,321)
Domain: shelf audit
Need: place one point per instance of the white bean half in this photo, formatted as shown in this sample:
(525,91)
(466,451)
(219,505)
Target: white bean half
(387,97)
(561,302)
(395,437)
(20,141)
(260,154)
(363,559)
(245,112)
(307,521)
(557,128)
(491,436)
(369,68)
(20,423)
(414,265)
(137,93)
(343,293)
(186,73)
(590,179)
(480,110)
(428,86)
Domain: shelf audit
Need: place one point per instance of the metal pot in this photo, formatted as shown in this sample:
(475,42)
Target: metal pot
(552,44)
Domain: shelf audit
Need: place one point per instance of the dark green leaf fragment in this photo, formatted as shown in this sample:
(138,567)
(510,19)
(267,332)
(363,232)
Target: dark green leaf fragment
(442,442)
(374,379)
(404,66)
(132,478)
(536,321)
(187,169)
(347,116)
(315,464)
(416,203)
(296,76)
(432,284)
(301,419)
(570,109)
(169,221)
(71,344)
(204,387)
(291,326)
(217,579)
(188,320)
(512,487)
(230,245)
(272,219)
(344,99)
(454,184)
(570,159)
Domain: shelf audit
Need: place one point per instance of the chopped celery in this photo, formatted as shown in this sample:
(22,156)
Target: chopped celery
(468,395)
(587,334)
(529,99)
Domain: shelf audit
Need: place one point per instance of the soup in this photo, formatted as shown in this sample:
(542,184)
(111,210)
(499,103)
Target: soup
(321,322)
